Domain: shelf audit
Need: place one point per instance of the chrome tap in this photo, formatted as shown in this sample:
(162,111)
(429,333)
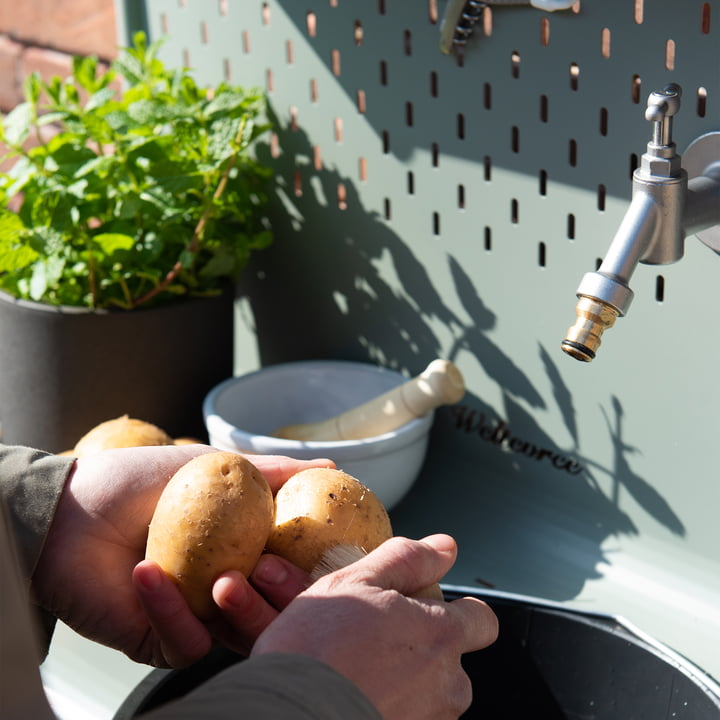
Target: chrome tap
(665,206)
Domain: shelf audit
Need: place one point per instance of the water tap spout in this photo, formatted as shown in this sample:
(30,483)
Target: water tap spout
(651,232)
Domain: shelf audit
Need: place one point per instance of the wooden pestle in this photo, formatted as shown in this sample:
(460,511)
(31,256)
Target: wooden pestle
(441,383)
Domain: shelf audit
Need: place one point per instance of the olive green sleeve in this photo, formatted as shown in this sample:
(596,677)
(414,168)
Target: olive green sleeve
(275,686)
(31,482)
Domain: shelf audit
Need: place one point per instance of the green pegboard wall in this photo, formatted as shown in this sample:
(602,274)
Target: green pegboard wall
(429,207)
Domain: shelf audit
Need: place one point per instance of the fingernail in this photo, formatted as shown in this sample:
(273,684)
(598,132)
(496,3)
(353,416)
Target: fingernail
(237,597)
(442,543)
(270,571)
(319,462)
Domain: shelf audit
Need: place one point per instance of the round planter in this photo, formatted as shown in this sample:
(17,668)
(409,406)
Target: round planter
(63,370)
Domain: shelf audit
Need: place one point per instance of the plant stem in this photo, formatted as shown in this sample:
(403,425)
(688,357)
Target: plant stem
(91,274)
(194,244)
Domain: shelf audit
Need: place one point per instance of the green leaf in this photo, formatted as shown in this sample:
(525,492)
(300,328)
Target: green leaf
(117,120)
(100,98)
(14,255)
(54,89)
(84,70)
(128,207)
(50,118)
(149,112)
(54,269)
(99,166)
(110,242)
(20,174)
(17,124)
(222,143)
(38,281)
(130,68)
(221,264)
(70,95)
(225,102)
(32,87)
(68,156)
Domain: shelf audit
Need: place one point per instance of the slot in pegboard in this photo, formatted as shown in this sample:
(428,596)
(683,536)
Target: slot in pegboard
(430,205)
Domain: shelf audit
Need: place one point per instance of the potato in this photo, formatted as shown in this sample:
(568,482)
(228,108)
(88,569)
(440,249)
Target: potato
(120,432)
(319,508)
(214,515)
(326,519)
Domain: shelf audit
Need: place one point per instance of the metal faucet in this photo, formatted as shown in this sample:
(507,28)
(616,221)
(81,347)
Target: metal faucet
(665,207)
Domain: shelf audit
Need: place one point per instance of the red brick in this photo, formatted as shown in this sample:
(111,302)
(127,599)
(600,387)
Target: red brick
(83,27)
(10,74)
(48,63)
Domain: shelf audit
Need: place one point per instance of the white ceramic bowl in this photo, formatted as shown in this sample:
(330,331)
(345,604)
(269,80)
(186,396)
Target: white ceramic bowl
(242,412)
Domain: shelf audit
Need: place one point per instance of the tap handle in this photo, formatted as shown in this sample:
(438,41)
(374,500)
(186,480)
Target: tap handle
(661,106)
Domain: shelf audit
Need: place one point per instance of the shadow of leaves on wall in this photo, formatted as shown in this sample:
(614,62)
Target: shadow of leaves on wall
(474,338)
(642,492)
(339,283)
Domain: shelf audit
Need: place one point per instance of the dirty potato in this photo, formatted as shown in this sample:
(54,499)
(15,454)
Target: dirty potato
(214,515)
(319,508)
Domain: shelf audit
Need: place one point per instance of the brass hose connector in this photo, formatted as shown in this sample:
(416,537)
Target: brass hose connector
(583,338)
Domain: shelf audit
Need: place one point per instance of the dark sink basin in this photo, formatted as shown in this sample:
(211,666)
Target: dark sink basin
(549,663)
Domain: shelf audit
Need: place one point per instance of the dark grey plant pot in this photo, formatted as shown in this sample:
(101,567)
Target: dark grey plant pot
(64,370)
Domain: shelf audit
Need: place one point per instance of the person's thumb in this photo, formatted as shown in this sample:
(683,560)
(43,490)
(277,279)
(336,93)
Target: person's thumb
(409,566)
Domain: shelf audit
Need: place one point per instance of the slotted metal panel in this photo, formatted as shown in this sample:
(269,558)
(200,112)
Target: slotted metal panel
(430,207)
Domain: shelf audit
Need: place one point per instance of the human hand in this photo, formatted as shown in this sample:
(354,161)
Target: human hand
(92,575)
(403,653)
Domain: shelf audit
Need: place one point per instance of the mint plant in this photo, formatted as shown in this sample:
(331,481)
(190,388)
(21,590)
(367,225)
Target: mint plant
(141,195)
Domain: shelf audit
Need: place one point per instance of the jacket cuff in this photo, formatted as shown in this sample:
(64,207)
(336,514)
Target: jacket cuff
(273,687)
(31,482)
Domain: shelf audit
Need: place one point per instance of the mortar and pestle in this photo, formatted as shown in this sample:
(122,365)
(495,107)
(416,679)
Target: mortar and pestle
(371,421)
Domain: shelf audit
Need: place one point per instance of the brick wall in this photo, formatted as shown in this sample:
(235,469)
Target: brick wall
(42,35)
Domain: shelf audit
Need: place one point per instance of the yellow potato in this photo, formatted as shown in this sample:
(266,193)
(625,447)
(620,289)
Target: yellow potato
(320,508)
(121,432)
(214,515)
(326,519)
